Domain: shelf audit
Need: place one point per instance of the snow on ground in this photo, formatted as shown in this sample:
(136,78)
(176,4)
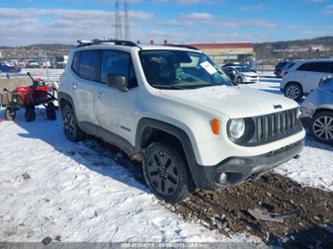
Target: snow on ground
(50,187)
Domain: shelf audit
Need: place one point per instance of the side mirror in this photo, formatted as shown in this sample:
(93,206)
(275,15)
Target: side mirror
(324,80)
(117,81)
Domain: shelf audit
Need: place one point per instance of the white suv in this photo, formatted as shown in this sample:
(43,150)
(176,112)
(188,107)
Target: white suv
(304,76)
(173,108)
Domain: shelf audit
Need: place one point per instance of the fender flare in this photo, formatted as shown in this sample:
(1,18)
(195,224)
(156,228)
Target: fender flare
(175,131)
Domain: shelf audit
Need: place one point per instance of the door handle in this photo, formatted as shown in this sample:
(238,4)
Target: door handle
(100,95)
(74,85)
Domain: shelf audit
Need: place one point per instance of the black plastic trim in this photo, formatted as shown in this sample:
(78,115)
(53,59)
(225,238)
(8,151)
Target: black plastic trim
(251,167)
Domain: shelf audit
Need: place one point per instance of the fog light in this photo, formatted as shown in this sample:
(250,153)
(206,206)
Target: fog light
(222,178)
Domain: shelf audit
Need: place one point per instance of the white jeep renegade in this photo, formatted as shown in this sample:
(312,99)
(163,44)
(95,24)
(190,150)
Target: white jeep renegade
(173,108)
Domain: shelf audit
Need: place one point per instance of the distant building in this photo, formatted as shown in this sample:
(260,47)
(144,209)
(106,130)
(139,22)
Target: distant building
(228,52)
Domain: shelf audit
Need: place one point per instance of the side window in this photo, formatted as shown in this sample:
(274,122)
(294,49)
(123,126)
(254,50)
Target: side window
(75,63)
(320,67)
(304,67)
(118,63)
(89,65)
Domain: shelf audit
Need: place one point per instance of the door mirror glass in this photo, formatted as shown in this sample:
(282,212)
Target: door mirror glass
(117,81)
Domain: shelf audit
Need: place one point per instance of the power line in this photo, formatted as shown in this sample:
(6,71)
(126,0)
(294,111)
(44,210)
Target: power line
(127,26)
(118,25)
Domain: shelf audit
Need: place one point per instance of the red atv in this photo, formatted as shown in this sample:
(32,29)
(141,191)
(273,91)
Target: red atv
(28,97)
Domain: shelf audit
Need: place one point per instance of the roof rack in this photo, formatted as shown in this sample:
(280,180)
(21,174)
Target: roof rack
(182,46)
(84,43)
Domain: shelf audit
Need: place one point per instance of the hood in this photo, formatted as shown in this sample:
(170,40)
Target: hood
(233,101)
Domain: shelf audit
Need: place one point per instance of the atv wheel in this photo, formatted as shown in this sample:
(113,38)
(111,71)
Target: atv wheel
(166,173)
(30,114)
(51,112)
(9,114)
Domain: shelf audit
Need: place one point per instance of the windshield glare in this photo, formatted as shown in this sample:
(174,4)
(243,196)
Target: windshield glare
(175,69)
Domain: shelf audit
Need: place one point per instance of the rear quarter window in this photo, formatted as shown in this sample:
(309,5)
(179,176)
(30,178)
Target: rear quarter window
(75,63)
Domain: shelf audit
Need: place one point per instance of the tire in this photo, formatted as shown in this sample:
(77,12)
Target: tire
(51,112)
(30,114)
(166,173)
(322,127)
(293,91)
(239,80)
(9,114)
(70,126)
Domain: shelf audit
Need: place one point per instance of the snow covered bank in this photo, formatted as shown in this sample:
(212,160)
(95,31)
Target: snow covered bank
(52,187)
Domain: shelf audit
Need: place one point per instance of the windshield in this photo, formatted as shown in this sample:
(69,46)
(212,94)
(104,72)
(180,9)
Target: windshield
(173,69)
(244,69)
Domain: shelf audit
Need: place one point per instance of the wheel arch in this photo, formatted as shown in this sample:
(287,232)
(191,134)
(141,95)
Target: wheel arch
(150,130)
(322,109)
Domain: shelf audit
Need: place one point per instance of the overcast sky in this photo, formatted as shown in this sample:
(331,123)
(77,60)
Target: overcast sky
(24,22)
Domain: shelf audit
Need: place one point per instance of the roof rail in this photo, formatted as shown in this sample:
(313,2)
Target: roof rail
(83,43)
(182,46)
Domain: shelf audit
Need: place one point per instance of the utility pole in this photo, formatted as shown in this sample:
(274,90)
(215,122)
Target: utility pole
(118,20)
(127,26)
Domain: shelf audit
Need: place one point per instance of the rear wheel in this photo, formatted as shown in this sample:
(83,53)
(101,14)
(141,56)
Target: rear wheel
(293,91)
(51,112)
(9,114)
(322,127)
(70,126)
(166,173)
(30,114)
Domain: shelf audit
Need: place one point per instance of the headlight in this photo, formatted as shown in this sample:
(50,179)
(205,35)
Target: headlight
(236,128)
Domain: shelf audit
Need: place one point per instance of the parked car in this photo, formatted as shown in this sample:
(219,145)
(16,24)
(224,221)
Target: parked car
(303,77)
(279,67)
(318,108)
(5,68)
(241,74)
(286,68)
(33,64)
(173,108)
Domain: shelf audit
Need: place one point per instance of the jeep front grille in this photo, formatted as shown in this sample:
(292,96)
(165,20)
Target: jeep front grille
(272,127)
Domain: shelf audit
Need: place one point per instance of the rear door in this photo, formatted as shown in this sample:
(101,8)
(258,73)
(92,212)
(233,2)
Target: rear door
(115,110)
(88,72)
(313,72)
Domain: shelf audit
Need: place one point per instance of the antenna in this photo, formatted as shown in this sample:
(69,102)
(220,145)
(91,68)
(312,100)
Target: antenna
(117,20)
(127,26)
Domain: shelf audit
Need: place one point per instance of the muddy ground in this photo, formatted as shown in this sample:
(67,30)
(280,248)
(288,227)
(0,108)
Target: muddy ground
(302,216)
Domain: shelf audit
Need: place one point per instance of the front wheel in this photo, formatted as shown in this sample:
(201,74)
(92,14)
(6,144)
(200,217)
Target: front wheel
(9,114)
(322,127)
(166,173)
(239,80)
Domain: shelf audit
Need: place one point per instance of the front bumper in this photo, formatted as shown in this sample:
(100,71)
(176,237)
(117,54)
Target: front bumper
(250,79)
(239,169)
